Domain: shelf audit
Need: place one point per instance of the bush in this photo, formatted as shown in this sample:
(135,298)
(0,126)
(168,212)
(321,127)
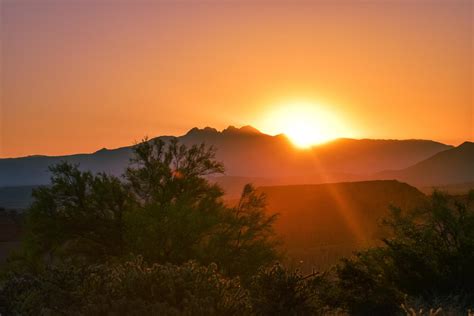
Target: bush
(429,256)
(361,287)
(51,292)
(130,288)
(278,291)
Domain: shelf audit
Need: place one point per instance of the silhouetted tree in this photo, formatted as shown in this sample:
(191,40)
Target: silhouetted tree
(180,216)
(430,255)
(245,240)
(176,207)
(80,216)
(164,209)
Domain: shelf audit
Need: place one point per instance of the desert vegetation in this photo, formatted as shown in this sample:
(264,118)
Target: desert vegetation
(161,241)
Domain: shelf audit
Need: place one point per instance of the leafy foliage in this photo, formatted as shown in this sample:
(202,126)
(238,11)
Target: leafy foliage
(209,258)
(245,239)
(180,216)
(278,291)
(131,288)
(361,286)
(433,248)
(79,216)
(164,210)
(430,255)
(137,288)
(176,208)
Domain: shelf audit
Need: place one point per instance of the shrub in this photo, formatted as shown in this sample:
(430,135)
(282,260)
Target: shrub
(130,288)
(429,255)
(278,291)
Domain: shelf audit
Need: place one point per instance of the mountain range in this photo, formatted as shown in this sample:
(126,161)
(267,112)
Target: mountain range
(452,166)
(327,206)
(251,155)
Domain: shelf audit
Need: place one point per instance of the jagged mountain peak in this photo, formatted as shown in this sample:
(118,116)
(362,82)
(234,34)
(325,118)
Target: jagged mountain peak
(247,130)
(205,130)
(245,151)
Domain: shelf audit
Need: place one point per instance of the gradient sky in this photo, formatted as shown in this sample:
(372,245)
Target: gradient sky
(77,75)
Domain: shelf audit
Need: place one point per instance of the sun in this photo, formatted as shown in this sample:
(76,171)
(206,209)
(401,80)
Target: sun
(306,124)
(302,132)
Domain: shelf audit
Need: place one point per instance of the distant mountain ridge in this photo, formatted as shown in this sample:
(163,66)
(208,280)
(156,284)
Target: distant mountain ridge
(452,166)
(246,152)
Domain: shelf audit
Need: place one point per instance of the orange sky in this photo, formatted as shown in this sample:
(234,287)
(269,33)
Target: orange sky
(80,75)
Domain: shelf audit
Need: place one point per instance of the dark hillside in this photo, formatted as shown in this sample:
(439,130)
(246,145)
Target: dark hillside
(319,223)
(452,166)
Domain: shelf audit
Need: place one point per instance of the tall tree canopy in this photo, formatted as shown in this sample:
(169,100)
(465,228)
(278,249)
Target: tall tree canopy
(164,209)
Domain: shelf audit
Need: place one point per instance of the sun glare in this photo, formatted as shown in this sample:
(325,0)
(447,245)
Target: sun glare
(306,124)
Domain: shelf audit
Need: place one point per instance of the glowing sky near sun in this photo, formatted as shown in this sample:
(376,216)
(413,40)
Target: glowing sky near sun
(80,75)
(306,123)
